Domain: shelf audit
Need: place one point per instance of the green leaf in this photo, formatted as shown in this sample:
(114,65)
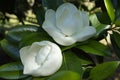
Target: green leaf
(71,63)
(51,4)
(104,70)
(40,13)
(85,58)
(12,71)
(116,4)
(10,49)
(110,9)
(64,48)
(103,17)
(29,40)
(99,27)
(38,78)
(28,78)
(65,75)
(115,46)
(35,37)
(117,38)
(96,48)
(87,72)
(17,33)
(117,20)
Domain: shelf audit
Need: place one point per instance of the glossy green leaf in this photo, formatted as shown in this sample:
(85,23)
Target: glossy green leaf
(117,12)
(28,78)
(117,38)
(51,4)
(85,58)
(38,78)
(87,72)
(17,33)
(115,46)
(95,23)
(104,70)
(12,71)
(116,3)
(96,48)
(110,9)
(117,22)
(29,40)
(40,13)
(71,63)
(35,78)
(35,37)
(10,49)
(65,75)
(82,55)
(103,17)
(64,48)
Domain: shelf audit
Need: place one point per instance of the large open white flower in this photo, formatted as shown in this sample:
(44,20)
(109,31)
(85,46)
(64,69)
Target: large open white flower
(41,58)
(68,25)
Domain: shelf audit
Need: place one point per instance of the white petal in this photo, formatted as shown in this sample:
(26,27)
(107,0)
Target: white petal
(57,35)
(62,39)
(24,53)
(86,33)
(28,60)
(50,15)
(78,22)
(42,54)
(85,18)
(66,23)
(64,18)
(34,48)
(66,6)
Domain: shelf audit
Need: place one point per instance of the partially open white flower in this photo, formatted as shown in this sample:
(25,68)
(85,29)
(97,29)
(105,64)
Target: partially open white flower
(41,58)
(68,25)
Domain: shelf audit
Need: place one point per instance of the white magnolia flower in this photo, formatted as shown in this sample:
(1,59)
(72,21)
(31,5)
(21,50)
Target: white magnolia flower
(68,25)
(41,58)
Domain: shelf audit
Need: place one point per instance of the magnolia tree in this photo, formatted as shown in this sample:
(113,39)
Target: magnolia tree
(66,42)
